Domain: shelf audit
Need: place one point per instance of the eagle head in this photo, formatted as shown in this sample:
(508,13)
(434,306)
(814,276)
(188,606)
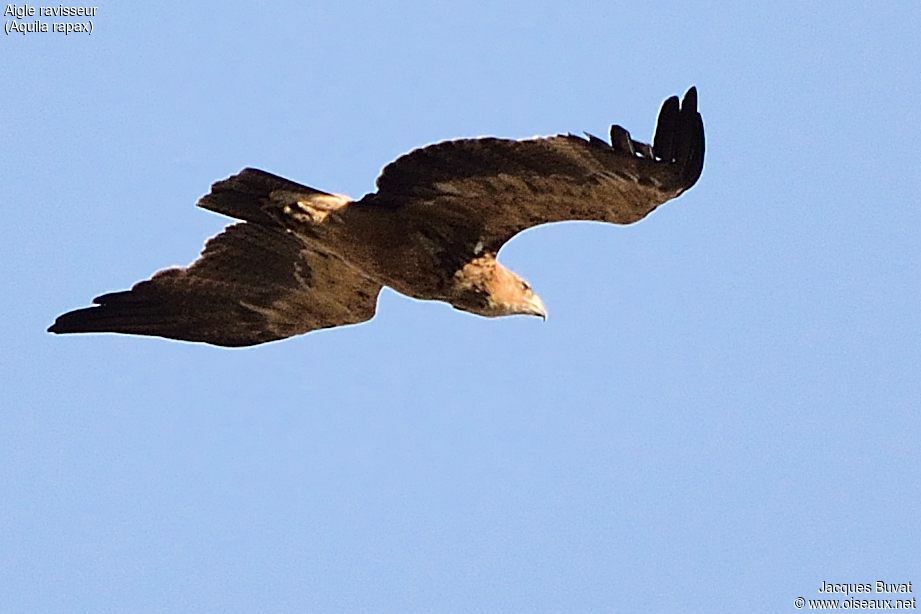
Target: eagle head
(486,288)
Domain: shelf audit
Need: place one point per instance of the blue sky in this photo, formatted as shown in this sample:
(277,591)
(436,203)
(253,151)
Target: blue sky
(721,412)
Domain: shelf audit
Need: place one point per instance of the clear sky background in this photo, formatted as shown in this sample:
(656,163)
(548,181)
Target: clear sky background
(723,410)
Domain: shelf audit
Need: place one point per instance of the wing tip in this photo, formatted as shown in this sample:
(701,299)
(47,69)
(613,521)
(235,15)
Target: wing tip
(679,137)
(693,132)
(77,321)
(690,99)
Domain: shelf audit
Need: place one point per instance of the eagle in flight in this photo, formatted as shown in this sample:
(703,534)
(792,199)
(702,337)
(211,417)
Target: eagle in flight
(301,259)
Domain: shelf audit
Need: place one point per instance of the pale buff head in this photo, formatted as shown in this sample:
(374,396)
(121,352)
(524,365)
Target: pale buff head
(486,288)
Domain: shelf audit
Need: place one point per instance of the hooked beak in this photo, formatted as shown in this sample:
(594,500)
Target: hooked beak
(536,308)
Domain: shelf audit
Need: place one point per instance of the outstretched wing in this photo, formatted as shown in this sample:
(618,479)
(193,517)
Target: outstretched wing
(252,284)
(494,188)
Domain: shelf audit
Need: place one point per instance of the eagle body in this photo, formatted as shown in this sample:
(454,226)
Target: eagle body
(301,259)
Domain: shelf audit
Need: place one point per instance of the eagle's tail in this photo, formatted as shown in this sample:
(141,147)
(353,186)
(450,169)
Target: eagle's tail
(251,194)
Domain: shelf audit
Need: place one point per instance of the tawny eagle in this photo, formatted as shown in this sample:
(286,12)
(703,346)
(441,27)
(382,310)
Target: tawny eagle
(302,259)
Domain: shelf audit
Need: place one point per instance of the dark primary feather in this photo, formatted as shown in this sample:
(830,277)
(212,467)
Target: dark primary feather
(501,187)
(663,142)
(251,285)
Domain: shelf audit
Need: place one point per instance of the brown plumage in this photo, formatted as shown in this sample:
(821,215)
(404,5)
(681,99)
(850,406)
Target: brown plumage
(303,259)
